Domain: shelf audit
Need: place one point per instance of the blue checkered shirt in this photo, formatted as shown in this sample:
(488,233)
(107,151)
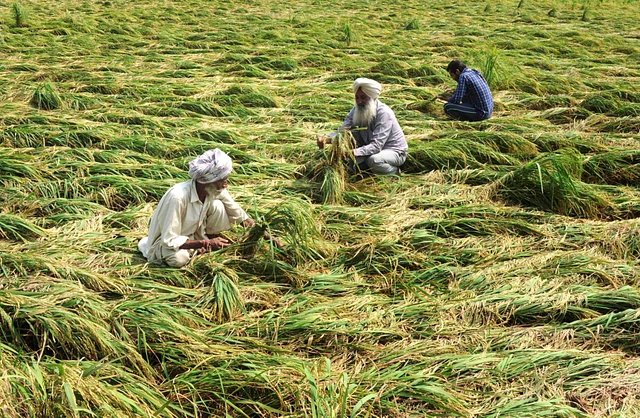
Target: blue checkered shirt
(473,89)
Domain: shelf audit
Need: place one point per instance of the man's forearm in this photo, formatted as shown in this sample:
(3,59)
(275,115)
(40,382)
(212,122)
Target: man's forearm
(459,93)
(193,244)
(206,244)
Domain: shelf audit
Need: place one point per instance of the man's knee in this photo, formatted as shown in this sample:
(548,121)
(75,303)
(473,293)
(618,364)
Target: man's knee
(447,108)
(218,207)
(375,161)
(451,111)
(180,259)
(378,164)
(218,219)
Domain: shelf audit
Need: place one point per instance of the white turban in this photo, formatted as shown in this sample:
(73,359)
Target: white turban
(214,165)
(370,87)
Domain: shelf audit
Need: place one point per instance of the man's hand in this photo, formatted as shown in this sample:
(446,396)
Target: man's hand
(276,241)
(322,141)
(248,223)
(215,244)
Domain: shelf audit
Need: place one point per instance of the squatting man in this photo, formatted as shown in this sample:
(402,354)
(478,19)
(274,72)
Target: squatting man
(192,213)
(472,100)
(380,143)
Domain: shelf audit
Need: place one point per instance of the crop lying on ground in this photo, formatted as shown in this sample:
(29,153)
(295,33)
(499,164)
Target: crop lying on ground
(497,277)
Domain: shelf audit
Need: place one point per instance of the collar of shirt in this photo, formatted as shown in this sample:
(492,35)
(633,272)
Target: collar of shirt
(194,192)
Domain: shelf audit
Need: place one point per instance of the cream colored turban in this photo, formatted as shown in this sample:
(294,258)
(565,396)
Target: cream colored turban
(214,165)
(370,87)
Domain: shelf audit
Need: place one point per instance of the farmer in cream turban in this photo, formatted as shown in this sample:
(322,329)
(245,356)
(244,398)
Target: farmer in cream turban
(190,214)
(381,145)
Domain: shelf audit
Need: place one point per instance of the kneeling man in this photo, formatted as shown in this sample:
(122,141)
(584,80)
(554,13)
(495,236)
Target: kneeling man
(191,213)
(472,100)
(380,143)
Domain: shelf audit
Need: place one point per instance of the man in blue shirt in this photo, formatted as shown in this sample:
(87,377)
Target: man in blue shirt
(472,100)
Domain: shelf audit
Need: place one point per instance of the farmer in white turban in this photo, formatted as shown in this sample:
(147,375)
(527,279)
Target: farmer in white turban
(380,143)
(190,214)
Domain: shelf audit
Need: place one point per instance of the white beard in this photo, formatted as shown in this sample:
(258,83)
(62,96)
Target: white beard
(211,190)
(364,115)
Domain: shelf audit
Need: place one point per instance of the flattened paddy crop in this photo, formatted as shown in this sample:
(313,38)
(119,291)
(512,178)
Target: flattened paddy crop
(497,277)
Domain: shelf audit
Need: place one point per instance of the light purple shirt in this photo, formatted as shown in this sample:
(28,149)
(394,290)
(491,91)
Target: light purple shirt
(383,133)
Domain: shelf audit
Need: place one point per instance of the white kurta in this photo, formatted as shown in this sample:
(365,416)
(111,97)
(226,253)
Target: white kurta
(181,216)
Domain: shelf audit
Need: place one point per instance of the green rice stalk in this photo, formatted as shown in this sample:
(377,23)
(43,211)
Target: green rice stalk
(504,142)
(333,185)
(603,102)
(222,301)
(262,382)
(533,407)
(203,108)
(248,100)
(63,328)
(270,268)
(331,394)
(461,227)
(390,66)
(615,329)
(411,381)
(457,153)
(295,223)
(19,164)
(108,88)
(16,228)
(616,167)
(552,182)
(380,257)
(413,24)
(437,155)
(253,240)
(164,328)
(217,136)
(491,68)
(348,35)
(81,138)
(585,15)
(629,124)
(20,15)
(23,137)
(50,387)
(46,97)
(330,170)
(555,142)
(282,64)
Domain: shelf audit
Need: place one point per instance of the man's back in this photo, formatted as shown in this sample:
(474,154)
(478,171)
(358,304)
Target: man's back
(474,89)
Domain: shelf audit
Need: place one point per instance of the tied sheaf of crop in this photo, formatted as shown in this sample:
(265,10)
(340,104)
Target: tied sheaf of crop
(498,276)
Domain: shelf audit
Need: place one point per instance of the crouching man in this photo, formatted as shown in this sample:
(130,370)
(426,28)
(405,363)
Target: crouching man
(190,214)
(380,143)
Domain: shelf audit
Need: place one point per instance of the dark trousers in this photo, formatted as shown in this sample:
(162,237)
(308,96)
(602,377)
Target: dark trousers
(463,111)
